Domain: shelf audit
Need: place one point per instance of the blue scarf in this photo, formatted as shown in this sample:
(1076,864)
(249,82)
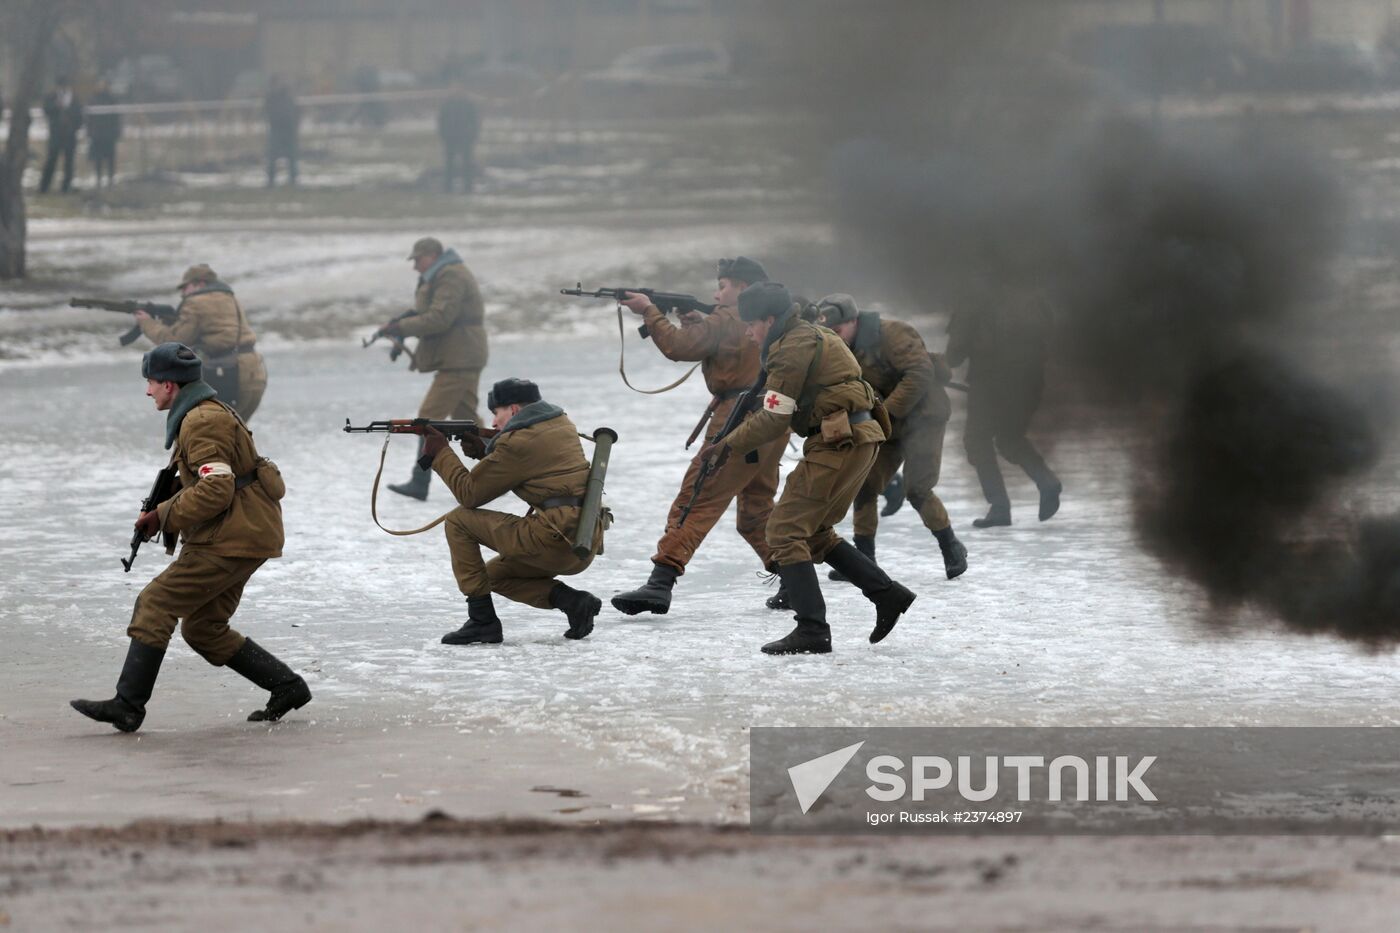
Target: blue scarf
(449,258)
(190,395)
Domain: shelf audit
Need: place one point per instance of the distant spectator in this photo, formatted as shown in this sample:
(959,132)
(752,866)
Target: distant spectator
(64,113)
(458,125)
(104,129)
(283,121)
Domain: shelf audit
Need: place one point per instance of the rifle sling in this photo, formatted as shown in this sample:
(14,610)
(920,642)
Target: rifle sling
(622,363)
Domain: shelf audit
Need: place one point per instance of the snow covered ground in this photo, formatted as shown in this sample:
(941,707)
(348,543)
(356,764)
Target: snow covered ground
(1059,623)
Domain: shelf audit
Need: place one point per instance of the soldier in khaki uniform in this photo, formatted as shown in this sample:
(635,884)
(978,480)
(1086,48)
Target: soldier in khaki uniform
(226,513)
(894,360)
(449,321)
(814,387)
(210,320)
(729,362)
(537,456)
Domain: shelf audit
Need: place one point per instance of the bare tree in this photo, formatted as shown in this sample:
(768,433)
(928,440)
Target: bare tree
(29,26)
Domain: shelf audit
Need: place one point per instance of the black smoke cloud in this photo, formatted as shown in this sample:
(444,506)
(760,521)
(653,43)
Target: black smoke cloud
(1183,268)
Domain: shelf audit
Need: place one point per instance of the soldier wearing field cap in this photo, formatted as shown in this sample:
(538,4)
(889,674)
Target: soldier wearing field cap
(449,320)
(537,456)
(210,321)
(228,519)
(894,360)
(814,389)
(729,364)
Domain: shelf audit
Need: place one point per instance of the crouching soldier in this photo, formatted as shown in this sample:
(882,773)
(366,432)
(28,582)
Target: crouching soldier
(537,456)
(814,387)
(226,513)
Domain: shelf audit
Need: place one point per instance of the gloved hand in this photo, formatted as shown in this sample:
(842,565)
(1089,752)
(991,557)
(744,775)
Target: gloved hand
(148,524)
(434,442)
(473,446)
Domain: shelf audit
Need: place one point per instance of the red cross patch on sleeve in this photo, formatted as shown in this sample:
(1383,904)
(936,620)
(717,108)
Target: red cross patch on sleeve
(779,404)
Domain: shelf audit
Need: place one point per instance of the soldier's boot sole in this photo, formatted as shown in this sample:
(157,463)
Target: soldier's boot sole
(889,606)
(115,711)
(284,699)
(801,640)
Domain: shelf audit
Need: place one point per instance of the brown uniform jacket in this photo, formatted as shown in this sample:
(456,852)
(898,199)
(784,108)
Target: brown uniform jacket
(538,461)
(894,360)
(728,359)
(449,321)
(836,386)
(208,321)
(213,449)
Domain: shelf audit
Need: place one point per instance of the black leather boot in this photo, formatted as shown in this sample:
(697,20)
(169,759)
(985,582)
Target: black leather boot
(127,709)
(288,690)
(998,516)
(483,626)
(812,635)
(652,596)
(954,552)
(580,606)
(417,486)
(779,600)
(1050,490)
(890,598)
(894,496)
(866,545)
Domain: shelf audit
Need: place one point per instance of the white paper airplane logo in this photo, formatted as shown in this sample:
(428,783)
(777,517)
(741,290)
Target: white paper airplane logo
(811,778)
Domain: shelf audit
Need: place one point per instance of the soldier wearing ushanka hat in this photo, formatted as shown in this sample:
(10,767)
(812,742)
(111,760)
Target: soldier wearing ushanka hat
(229,522)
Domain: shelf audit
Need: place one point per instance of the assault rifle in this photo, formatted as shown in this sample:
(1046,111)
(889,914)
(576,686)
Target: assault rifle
(745,404)
(666,302)
(400,347)
(164,313)
(452,430)
(163,488)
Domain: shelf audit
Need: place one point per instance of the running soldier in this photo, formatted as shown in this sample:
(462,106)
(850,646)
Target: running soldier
(211,322)
(729,361)
(226,512)
(894,360)
(813,388)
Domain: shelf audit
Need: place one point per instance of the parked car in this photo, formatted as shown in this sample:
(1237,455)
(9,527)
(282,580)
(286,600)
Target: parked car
(699,65)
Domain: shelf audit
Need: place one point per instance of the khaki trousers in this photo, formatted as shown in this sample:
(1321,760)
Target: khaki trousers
(754,484)
(453,394)
(204,590)
(530,553)
(919,447)
(815,498)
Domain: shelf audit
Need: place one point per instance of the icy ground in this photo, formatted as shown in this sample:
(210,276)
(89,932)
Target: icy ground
(1059,623)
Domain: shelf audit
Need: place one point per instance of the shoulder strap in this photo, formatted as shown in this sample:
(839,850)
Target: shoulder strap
(809,386)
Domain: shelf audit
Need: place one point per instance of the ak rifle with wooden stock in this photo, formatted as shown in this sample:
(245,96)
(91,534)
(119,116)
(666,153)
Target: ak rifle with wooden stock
(163,313)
